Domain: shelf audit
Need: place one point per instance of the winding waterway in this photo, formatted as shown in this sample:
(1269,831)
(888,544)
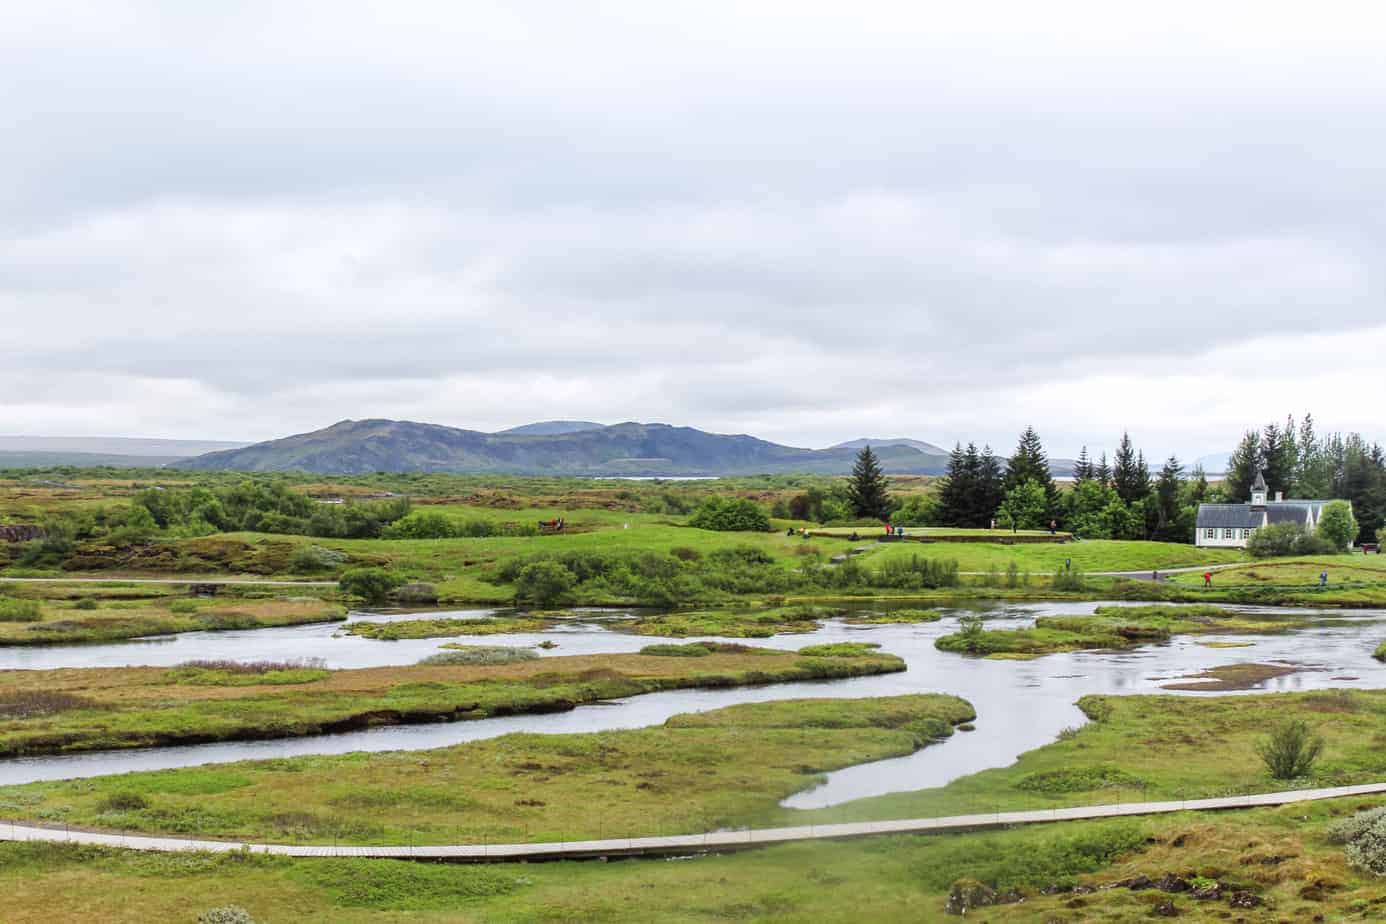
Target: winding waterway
(1020,704)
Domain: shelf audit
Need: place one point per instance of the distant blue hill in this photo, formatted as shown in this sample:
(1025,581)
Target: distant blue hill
(926,448)
(626,449)
(552,428)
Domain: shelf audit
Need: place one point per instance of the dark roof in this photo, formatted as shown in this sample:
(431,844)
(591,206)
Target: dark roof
(1228,516)
(1287,513)
(1260,483)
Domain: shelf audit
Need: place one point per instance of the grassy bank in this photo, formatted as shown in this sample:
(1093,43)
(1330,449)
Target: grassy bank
(96,618)
(1282,858)
(1155,747)
(98,708)
(1108,627)
(697,772)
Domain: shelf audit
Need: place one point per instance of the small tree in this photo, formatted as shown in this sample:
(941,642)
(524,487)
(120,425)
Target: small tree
(1025,507)
(868,490)
(731,514)
(544,582)
(1290,750)
(1338,525)
(371,584)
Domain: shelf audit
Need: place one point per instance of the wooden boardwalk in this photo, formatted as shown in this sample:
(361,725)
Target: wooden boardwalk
(715,841)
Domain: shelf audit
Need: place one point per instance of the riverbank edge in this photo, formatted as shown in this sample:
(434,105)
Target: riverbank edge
(805,668)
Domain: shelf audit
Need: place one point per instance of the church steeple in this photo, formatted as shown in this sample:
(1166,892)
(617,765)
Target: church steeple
(1258,491)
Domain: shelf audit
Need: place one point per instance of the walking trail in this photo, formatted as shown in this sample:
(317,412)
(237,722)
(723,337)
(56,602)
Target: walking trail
(715,841)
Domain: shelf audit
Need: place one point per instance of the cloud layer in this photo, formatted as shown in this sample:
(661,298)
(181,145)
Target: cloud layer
(805,223)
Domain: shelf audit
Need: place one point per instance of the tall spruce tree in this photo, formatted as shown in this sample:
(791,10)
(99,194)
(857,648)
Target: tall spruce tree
(957,489)
(1275,465)
(1082,469)
(1029,462)
(1242,466)
(867,490)
(1167,490)
(1126,479)
(1102,474)
(991,491)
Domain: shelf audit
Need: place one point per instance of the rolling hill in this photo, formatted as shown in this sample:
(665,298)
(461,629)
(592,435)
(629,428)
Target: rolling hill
(626,449)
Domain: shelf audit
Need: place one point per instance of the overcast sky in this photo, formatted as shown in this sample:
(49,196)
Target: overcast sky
(808,222)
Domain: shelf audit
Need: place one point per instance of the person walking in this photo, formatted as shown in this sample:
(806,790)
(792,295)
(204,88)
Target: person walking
(1053,527)
(1323,578)
(1207,579)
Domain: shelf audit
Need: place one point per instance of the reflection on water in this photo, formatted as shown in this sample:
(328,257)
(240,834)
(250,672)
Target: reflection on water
(1020,704)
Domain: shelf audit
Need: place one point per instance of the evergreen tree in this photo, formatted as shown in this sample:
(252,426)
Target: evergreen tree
(1130,474)
(958,487)
(1103,473)
(867,490)
(1196,488)
(1313,474)
(1242,466)
(1029,462)
(1082,469)
(1273,461)
(990,486)
(1167,495)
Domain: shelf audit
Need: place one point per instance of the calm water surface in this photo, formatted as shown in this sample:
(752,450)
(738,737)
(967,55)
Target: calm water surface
(1020,704)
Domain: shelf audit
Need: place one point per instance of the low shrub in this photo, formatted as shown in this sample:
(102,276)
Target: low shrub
(122,802)
(1078,779)
(309,559)
(1069,580)
(730,514)
(840,650)
(416,592)
(1364,839)
(86,603)
(692,650)
(480,654)
(371,584)
(1289,752)
(12,610)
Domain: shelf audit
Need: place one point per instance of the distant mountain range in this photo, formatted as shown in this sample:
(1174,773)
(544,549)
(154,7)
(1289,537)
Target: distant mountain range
(928,449)
(115,451)
(552,428)
(549,448)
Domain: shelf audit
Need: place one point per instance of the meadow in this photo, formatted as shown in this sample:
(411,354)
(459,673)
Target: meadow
(62,711)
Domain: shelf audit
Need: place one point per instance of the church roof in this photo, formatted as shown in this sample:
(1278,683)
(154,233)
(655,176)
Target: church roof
(1260,483)
(1229,516)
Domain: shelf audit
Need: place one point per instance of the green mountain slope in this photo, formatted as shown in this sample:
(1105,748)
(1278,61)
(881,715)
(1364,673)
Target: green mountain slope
(628,449)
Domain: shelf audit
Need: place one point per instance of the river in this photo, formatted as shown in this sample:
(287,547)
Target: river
(1020,704)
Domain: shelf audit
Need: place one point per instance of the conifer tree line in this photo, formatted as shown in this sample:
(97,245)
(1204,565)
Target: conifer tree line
(1109,500)
(1121,498)
(1298,462)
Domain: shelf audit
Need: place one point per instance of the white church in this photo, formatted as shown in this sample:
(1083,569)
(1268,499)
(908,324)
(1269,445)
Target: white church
(1229,526)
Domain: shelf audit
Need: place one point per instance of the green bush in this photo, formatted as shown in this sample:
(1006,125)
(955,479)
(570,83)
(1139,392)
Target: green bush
(730,514)
(12,610)
(1364,839)
(692,650)
(480,654)
(840,650)
(122,802)
(1065,579)
(1289,752)
(308,559)
(86,603)
(371,584)
(544,582)
(1285,539)
(1337,525)
(1078,779)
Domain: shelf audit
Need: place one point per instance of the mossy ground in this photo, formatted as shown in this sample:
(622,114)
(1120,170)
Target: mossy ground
(698,772)
(101,708)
